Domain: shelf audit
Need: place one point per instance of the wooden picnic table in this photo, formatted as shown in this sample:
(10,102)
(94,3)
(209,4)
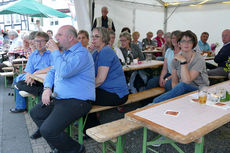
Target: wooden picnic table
(209,58)
(19,62)
(193,121)
(152,64)
(152,51)
(143,65)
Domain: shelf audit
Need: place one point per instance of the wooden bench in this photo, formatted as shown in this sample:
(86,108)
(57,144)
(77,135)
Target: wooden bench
(135,97)
(217,79)
(113,130)
(8,69)
(30,99)
(5,75)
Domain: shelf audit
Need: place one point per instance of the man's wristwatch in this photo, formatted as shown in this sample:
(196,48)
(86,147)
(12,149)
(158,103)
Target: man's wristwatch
(166,79)
(183,63)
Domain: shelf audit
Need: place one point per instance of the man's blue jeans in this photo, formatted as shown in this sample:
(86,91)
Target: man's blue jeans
(20,101)
(180,89)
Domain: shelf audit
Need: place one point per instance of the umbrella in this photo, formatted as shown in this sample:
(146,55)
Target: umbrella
(31,8)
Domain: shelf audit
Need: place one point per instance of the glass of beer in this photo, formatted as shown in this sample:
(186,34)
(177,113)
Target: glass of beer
(203,91)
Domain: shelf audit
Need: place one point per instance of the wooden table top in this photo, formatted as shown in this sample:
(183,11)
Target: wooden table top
(152,64)
(209,58)
(143,65)
(194,121)
(2,53)
(152,51)
(20,61)
(39,77)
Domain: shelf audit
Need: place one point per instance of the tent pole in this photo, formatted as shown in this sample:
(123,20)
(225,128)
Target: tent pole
(27,22)
(134,19)
(165,18)
(12,22)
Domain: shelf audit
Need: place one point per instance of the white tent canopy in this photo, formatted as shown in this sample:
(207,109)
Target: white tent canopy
(150,15)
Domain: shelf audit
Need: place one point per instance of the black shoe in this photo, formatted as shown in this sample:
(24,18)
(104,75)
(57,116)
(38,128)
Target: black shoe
(82,149)
(36,135)
(16,110)
(55,151)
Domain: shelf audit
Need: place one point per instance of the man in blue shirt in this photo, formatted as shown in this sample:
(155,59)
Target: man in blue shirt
(203,45)
(73,80)
(40,61)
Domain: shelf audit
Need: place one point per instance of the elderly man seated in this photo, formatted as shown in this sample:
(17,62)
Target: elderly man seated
(146,42)
(39,62)
(222,57)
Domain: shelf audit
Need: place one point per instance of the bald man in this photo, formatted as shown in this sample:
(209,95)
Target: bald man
(222,57)
(73,80)
(104,20)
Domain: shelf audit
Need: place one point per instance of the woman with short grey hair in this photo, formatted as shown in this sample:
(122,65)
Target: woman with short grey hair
(103,32)
(111,87)
(13,32)
(126,45)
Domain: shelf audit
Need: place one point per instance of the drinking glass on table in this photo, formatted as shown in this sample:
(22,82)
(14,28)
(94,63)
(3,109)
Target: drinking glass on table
(148,57)
(221,93)
(202,94)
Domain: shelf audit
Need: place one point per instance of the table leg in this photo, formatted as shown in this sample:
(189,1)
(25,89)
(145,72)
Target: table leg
(80,130)
(199,146)
(144,147)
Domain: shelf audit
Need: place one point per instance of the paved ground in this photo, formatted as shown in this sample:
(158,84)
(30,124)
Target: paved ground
(16,128)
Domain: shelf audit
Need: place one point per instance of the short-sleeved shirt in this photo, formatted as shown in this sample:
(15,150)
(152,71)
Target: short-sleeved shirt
(169,55)
(115,81)
(36,62)
(203,46)
(197,64)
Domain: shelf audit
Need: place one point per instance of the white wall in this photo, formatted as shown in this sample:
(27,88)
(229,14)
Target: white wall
(212,18)
(146,19)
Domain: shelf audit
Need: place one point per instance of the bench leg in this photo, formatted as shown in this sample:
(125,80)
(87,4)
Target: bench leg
(144,147)
(199,147)
(5,81)
(156,140)
(80,130)
(120,144)
(104,147)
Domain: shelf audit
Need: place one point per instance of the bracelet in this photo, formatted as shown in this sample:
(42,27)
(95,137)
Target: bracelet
(166,79)
(183,63)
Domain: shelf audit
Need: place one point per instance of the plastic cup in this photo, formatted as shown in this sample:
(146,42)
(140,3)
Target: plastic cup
(203,91)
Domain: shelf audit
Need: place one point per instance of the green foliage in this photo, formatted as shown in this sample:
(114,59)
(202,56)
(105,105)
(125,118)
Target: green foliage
(227,65)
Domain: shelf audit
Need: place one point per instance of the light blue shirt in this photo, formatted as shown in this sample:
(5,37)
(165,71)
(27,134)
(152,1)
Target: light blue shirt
(169,55)
(36,62)
(203,46)
(73,74)
(115,81)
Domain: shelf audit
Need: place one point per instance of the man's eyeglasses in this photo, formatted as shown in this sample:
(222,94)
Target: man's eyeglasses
(40,41)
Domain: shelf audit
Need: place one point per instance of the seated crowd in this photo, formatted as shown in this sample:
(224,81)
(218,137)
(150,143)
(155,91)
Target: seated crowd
(83,73)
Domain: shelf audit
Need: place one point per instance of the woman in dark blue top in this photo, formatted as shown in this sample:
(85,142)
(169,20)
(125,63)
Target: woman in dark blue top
(111,87)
